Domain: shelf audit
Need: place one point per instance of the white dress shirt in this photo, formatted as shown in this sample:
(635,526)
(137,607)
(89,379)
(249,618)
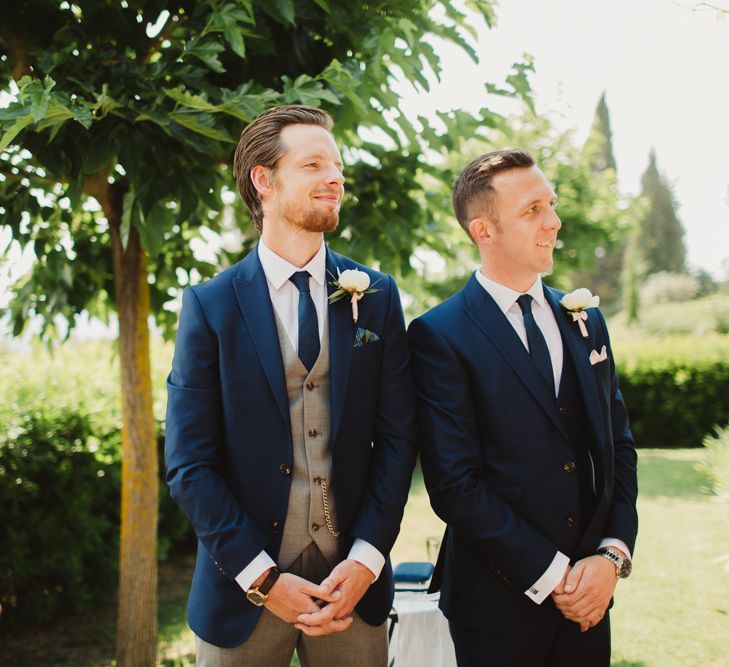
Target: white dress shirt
(505,299)
(285,299)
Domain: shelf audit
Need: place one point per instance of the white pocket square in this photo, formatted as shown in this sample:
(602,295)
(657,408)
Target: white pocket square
(597,357)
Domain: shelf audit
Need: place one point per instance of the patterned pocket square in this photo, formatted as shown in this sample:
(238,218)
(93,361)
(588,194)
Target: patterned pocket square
(598,357)
(364,336)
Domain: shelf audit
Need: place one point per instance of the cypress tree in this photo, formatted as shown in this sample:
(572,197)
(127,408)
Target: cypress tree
(603,277)
(660,235)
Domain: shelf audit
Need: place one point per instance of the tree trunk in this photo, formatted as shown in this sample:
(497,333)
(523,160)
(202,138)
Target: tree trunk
(136,639)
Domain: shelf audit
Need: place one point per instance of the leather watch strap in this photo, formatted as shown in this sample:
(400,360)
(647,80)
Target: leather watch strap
(269,581)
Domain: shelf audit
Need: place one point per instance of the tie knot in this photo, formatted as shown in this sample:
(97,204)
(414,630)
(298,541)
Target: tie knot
(525,303)
(301,280)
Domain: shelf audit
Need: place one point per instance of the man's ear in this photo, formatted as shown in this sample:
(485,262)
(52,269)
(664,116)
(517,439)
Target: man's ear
(262,179)
(482,230)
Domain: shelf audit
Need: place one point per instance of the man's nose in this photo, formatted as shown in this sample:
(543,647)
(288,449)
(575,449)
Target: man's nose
(553,221)
(335,175)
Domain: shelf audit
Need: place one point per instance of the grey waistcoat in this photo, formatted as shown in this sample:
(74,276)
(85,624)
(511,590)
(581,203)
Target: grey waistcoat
(309,409)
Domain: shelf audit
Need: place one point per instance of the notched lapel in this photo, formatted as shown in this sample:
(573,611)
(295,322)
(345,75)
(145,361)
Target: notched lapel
(251,291)
(341,337)
(487,315)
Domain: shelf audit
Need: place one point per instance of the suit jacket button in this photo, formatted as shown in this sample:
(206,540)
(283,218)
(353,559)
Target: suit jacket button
(569,466)
(315,526)
(310,386)
(563,410)
(285,469)
(571,522)
(276,525)
(313,433)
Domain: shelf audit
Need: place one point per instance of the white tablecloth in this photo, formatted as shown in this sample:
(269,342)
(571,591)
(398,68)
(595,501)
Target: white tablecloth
(420,637)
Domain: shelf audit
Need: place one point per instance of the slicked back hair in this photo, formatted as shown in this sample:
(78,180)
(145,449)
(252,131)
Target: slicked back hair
(473,191)
(260,144)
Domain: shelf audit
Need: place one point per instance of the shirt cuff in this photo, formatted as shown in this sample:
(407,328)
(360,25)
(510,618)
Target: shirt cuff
(254,569)
(542,587)
(615,542)
(363,552)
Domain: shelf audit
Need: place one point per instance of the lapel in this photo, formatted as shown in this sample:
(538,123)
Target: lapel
(341,337)
(251,291)
(487,315)
(578,348)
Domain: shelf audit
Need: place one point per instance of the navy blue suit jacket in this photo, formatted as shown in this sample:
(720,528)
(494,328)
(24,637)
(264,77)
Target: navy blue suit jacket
(493,448)
(229,435)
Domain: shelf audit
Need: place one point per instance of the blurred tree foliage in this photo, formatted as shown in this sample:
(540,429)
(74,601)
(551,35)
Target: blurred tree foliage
(660,241)
(605,277)
(115,160)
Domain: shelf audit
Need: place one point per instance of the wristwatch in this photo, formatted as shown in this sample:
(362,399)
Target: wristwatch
(259,594)
(623,566)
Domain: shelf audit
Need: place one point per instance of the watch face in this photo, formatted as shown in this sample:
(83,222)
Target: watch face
(256,597)
(626,568)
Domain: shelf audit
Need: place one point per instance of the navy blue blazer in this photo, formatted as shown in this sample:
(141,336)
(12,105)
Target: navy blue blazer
(493,448)
(229,435)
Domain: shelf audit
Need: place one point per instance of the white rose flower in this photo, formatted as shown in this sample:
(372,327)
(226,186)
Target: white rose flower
(580,299)
(353,280)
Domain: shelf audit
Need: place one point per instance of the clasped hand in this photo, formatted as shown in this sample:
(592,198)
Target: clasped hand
(323,609)
(584,593)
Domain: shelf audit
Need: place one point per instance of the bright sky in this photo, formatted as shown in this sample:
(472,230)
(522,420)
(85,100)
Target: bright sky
(664,70)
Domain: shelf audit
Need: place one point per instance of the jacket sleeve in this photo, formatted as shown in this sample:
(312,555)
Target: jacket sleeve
(622,521)
(394,450)
(450,452)
(193,446)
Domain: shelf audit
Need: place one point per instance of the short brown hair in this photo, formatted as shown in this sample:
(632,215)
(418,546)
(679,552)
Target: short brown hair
(473,192)
(260,144)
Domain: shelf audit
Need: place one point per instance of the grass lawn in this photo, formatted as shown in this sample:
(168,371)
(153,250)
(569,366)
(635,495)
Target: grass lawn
(672,612)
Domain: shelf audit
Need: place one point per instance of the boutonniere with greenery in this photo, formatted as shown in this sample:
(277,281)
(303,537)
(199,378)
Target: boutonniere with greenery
(575,303)
(351,282)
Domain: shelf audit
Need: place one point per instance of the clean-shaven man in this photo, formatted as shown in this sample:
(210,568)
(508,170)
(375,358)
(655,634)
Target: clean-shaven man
(290,422)
(525,445)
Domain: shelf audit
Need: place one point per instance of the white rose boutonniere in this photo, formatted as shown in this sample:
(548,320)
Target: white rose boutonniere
(353,282)
(575,303)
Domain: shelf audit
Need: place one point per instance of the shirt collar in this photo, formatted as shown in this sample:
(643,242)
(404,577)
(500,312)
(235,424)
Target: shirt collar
(278,270)
(506,297)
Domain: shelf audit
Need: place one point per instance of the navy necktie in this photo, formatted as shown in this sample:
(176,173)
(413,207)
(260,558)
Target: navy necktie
(538,349)
(308,324)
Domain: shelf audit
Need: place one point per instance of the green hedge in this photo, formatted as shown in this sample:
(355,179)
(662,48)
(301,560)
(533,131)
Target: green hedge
(676,388)
(60,472)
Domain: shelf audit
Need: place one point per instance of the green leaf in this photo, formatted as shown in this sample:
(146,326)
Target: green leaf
(201,124)
(285,8)
(234,37)
(186,99)
(152,232)
(17,127)
(324,5)
(306,90)
(40,96)
(206,51)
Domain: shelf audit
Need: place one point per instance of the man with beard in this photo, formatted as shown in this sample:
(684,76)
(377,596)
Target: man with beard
(290,422)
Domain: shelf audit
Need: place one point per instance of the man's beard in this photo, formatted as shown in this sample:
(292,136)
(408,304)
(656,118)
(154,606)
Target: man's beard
(311,220)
